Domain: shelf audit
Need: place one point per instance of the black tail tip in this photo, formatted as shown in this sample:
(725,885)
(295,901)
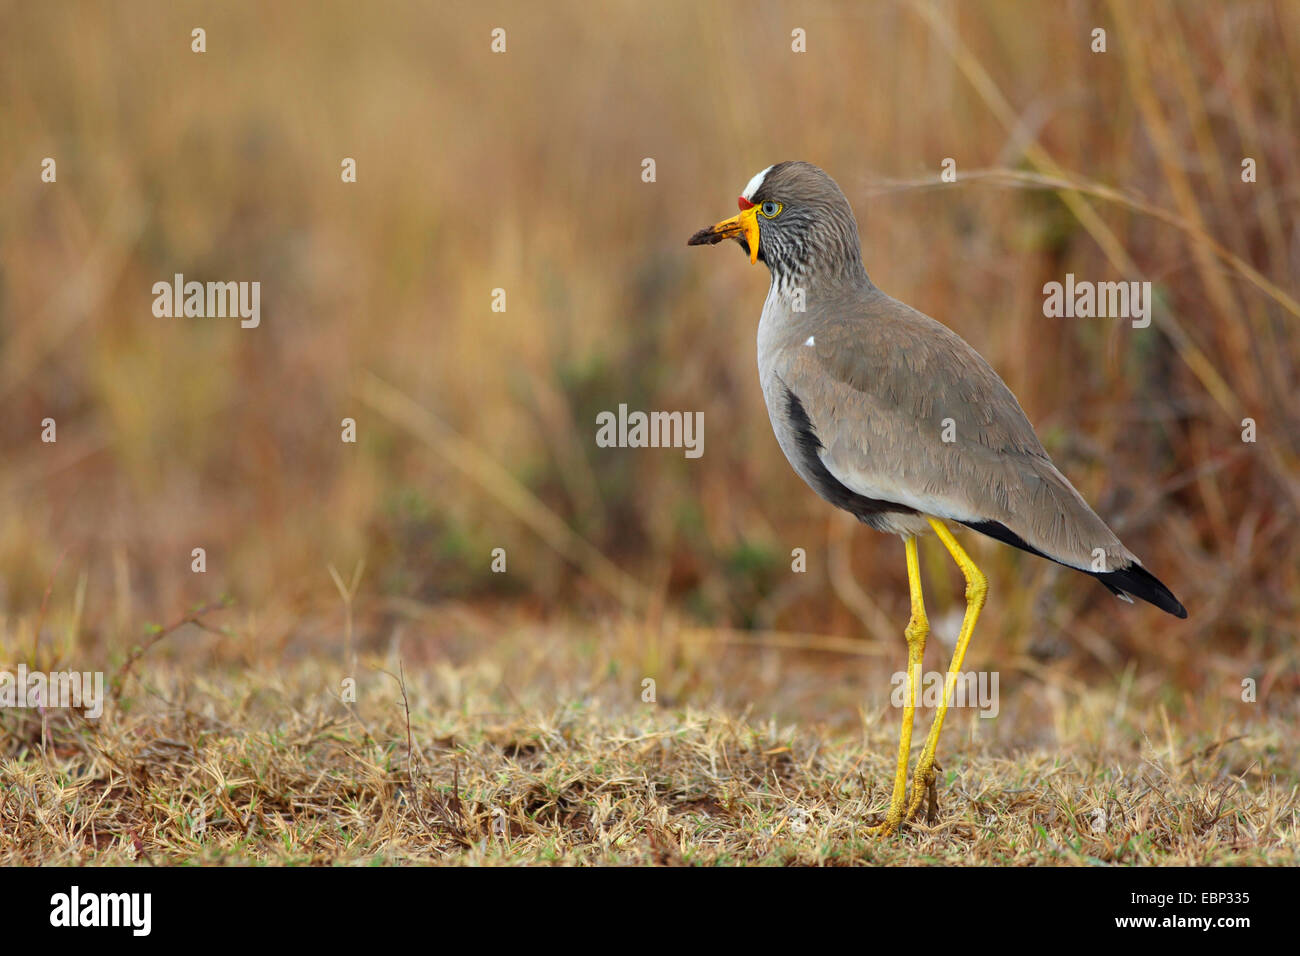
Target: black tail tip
(1138,582)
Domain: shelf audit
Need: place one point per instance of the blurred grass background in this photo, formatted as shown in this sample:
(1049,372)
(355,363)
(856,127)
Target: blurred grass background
(522,171)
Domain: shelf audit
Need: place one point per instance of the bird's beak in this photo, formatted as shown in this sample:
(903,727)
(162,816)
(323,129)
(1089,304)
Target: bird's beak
(743,226)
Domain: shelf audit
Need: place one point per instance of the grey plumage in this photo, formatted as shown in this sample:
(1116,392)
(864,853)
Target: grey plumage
(862,391)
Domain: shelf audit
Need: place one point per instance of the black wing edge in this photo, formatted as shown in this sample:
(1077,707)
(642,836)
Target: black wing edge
(867,510)
(1134,580)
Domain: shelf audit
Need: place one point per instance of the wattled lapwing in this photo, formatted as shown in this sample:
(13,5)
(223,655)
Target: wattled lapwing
(891,416)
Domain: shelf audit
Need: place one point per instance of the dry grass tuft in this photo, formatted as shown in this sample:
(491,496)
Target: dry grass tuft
(269,766)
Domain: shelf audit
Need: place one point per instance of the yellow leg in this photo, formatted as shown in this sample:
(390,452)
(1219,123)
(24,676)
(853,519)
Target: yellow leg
(976,590)
(917,629)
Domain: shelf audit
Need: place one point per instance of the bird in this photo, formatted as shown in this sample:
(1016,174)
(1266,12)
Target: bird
(891,416)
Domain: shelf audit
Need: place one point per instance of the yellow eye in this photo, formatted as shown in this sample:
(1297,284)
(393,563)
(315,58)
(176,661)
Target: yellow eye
(770,209)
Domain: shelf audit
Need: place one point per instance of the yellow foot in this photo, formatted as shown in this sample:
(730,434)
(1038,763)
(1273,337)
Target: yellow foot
(923,783)
(888,828)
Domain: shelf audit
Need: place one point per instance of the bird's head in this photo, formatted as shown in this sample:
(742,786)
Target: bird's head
(796,219)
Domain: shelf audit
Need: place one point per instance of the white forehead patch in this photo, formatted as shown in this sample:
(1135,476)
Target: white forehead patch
(754,184)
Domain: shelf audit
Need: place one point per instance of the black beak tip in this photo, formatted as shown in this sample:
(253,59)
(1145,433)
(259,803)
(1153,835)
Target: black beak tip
(705,237)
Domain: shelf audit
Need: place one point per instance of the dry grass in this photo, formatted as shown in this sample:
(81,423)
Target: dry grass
(535,747)
(476,429)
